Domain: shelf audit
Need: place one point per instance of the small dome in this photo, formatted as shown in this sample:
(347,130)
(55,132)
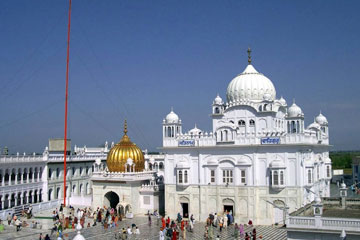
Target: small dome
(172,117)
(317,200)
(343,185)
(282,101)
(294,111)
(195,131)
(250,85)
(321,119)
(314,125)
(119,155)
(218,100)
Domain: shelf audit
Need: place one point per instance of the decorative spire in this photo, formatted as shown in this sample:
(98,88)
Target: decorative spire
(125,127)
(249,55)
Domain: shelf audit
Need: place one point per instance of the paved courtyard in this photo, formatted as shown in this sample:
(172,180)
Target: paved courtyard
(147,232)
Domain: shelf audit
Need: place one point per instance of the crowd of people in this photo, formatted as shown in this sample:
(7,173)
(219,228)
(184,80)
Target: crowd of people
(169,229)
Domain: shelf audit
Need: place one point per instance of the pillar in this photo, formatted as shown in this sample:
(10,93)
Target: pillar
(3,180)
(38,177)
(32,197)
(9,199)
(16,198)
(22,199)
(22,178)
(27,177)
(33,177)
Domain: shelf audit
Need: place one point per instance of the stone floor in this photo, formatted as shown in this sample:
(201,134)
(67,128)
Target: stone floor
(147,232)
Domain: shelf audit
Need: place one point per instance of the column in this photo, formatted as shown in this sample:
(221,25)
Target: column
(22,178)
(16,198)
(32,197)
(16,177)
(33,177)
(9,180)
(22,199)
(38,178)
(27,177)
(3,180)
(9,201)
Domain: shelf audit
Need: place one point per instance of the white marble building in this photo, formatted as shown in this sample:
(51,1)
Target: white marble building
(258,160)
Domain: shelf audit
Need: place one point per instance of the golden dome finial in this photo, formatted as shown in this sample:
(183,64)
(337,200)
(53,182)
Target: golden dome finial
(249,55)
(125,127)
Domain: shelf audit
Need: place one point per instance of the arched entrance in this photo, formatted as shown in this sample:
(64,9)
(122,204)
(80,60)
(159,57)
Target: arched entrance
(279,213)
(229,206)
(111,199)
(184,206)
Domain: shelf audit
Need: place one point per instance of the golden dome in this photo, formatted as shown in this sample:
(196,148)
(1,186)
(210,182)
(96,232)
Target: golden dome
(121,152)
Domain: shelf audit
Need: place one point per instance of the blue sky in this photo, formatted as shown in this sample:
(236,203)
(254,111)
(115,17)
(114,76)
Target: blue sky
(137,59)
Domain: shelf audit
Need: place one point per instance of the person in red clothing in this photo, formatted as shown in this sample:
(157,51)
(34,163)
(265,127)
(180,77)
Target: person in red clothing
(182,225)
(163,222)
(174,234)
(168,221)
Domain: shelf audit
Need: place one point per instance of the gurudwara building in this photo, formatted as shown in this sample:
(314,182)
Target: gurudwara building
(126,182)
(258,161)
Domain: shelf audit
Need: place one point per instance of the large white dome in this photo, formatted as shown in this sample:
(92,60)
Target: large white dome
(250,85)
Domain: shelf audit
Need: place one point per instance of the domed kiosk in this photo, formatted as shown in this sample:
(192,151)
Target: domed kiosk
(124,183)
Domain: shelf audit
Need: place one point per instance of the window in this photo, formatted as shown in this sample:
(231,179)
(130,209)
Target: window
(281,177)
(328,170)
(81,171)
(252,122)
(309,176)
(227,176)
(57,172)
(73,171)
(50,172)
(276,178)
(243,176)
(212,176)
(186,176)
(318,172)
(241,123)
(217,111)
(180,177)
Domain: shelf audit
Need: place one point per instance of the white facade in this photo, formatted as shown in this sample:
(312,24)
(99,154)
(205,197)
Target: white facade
(257,160)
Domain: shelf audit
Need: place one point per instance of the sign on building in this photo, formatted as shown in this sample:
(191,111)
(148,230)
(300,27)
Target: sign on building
(270,140)
(187,143)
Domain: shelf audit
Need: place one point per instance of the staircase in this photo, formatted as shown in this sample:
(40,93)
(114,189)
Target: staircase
(19,209)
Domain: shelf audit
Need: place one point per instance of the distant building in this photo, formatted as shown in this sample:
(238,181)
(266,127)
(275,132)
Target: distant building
(326,219)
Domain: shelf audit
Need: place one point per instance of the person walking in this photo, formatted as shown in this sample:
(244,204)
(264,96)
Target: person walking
(9,218)
(149,218)
(161,234)
(184,234)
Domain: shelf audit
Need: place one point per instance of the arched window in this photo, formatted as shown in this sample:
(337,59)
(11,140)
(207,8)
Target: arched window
(217,111)
(293,127)
(276,178)
(328,171)
(73,171)
(57,172)
(252,122)
(225,135)
(281,177)
(309,176)
(161,165)
(180,177)
(50,172)
(169,132)
(186,176)
(87,170)
(241,123)
(81,171)
(260,108)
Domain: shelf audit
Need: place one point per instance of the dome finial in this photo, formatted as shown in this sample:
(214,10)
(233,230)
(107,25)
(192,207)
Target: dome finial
(249,55)
(125,127)
(172,109)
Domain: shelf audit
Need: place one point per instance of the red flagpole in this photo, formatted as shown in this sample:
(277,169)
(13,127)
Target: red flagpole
(66,100)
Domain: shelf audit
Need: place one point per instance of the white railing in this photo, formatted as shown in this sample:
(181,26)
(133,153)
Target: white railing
(323,223)
(242,139)
(123,176)
(21,158)
(87,157)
